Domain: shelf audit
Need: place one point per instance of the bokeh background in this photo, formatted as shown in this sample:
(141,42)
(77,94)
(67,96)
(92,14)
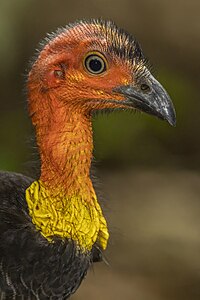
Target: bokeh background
(149,171)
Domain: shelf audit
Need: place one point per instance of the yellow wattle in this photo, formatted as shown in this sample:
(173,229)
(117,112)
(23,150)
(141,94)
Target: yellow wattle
(73,217)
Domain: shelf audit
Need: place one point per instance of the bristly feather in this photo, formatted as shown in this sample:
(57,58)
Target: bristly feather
(119,41)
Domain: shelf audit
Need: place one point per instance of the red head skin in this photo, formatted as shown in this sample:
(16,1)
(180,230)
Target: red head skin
(62,95)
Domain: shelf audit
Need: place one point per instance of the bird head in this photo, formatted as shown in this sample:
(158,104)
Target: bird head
(94,65)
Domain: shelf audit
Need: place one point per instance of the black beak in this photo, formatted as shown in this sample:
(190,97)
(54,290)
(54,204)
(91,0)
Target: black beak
(149,97)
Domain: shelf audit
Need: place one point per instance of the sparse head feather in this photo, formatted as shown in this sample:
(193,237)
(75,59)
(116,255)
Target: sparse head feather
(118,41)
(104,35)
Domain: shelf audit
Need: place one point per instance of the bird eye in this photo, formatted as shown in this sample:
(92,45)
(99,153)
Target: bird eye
(95,64)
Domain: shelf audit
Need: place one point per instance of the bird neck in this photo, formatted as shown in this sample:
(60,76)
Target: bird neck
(63,202)
(66,146)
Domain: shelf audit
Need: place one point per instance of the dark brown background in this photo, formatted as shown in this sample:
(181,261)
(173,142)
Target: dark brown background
(149,170)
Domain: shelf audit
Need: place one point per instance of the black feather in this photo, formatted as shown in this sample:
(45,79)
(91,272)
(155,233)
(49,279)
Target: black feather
(30,266)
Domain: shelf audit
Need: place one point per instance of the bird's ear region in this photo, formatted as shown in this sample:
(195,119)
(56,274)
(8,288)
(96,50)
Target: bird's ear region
(54,76)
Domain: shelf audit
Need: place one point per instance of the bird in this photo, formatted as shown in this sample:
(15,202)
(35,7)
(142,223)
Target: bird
(52,228)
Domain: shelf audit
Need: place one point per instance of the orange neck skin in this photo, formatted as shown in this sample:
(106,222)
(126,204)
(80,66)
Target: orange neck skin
(64,137)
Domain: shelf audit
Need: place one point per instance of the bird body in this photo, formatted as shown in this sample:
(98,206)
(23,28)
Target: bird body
(53,228)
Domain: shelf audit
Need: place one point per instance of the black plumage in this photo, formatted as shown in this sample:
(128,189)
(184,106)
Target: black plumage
(30,266)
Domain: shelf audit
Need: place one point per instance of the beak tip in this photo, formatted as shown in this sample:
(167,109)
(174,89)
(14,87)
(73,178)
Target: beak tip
(170,117)
(172,122)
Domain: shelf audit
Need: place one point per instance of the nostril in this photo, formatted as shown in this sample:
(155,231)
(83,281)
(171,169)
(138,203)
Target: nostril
(145,88)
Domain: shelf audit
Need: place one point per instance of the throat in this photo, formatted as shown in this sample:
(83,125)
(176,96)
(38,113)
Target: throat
(66,147)
(63,202)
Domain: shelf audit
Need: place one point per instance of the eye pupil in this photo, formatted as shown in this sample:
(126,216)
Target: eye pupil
(95,64)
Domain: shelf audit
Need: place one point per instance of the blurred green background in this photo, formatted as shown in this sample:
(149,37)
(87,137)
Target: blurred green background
(149,170)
